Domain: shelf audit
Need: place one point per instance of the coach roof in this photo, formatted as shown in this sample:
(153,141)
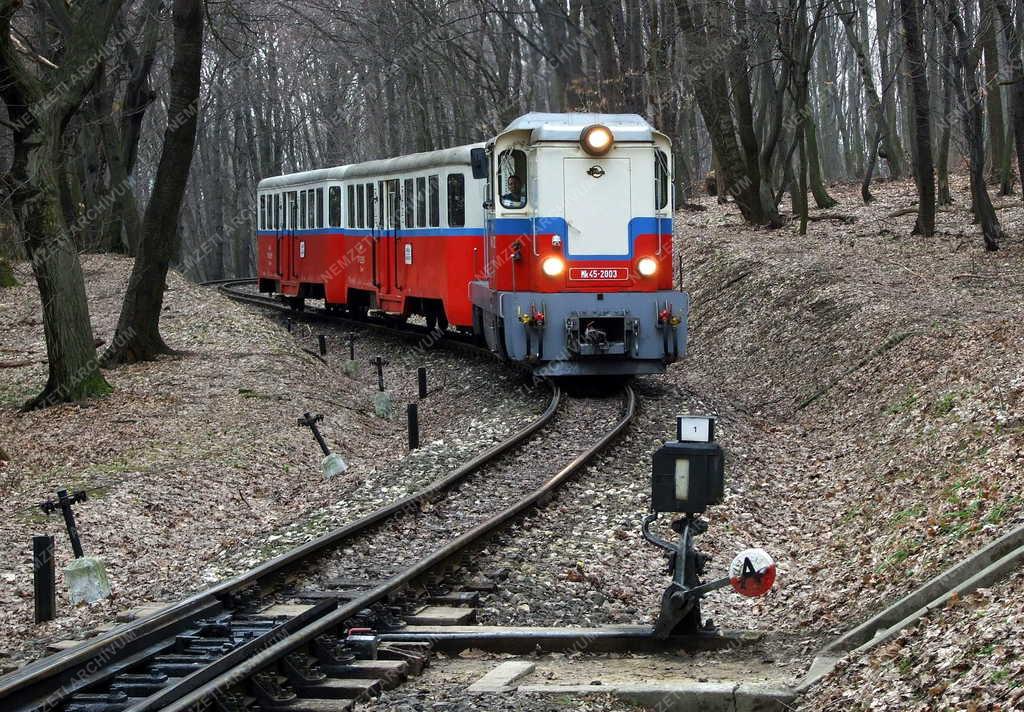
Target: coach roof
(458,156)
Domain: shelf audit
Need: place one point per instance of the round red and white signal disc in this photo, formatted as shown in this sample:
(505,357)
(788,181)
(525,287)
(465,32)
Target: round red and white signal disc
(752,572)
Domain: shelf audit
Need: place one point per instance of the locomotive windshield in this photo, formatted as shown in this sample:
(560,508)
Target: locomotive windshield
(512,178)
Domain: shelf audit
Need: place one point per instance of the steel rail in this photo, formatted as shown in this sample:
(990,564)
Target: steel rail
(276,650)
(34,684)
(408,331)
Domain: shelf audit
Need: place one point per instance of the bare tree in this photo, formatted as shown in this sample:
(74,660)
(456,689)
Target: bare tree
(41,98)
(138,330)
(965,68)
(924,170)
(1013,45)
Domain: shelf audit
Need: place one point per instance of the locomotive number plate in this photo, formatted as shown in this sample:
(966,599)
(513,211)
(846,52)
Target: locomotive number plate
(603,273)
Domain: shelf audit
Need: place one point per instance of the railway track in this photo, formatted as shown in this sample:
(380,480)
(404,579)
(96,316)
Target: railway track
(216,649)
(237,290)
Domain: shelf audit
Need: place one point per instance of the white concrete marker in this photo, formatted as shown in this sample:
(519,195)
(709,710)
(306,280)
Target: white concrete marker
(382,405)
(87,580)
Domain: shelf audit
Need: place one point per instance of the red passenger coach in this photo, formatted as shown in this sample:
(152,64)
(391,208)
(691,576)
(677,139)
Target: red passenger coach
(389,235)
(552,242)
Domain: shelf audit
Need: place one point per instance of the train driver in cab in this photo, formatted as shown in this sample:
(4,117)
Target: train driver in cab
(515,197)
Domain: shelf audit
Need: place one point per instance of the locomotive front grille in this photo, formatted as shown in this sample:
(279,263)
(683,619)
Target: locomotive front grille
(601,334)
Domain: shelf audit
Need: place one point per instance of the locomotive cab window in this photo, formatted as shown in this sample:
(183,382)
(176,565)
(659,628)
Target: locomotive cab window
(456,200)
(512,179)
(660,180)
(334,206)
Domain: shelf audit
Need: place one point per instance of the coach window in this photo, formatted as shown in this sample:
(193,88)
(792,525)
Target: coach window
(371,206)
(360,206)
(351,206)
(660,180)
(394,208)
(262,225)
(277,212)
(512,179)
(293,209)
(435,200)
(421,202)
(456,200)
(318,212)
(334,206)
(302,209)
(410,203)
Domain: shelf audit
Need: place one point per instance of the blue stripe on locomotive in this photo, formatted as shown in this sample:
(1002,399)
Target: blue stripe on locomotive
(501,226)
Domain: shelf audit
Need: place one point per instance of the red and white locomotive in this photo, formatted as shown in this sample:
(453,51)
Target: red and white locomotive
(552,242)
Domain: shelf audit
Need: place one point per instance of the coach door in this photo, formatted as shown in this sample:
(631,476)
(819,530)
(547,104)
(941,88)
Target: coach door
(392,221)
(381,263)
(286,253)
(278,226)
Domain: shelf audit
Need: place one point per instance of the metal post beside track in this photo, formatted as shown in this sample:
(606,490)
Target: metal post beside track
(63,503)
(380,363)
(421,378)
(44,578)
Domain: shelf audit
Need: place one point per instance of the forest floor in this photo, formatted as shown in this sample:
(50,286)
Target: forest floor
(196,460)
(869,386)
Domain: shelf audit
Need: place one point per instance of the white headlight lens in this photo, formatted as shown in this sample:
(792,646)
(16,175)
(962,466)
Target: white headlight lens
(647,266)
(553,266)
(596,140)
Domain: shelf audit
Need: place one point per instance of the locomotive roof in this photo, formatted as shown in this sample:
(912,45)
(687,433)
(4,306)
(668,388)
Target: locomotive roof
(457,156)
(567,127)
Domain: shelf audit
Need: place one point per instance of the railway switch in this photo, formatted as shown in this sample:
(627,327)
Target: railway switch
(687,477)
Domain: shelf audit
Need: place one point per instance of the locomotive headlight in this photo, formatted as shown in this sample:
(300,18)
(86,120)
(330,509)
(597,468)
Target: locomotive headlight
(647,266)
(596,140)
(553,266)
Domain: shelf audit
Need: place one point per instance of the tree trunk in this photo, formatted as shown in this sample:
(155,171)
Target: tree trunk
(138,330)
(889,140)
(965,67)
(993,95)
(714,104)
(945,197)
(924,170)
(888,78)
(1017,85)
(869,170)
(821,197)
(37,188)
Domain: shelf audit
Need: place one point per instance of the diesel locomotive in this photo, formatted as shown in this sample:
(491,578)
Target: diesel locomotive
(551,242)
